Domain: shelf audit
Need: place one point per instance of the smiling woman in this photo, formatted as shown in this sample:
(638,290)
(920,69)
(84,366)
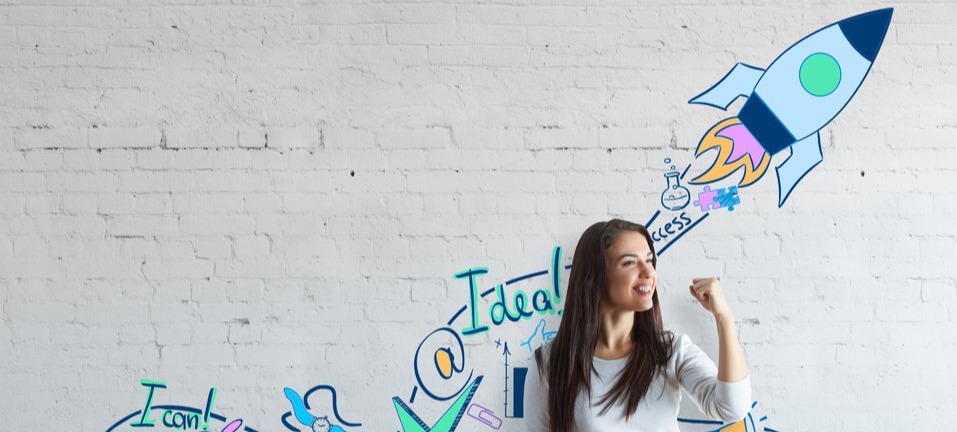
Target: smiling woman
(612,366)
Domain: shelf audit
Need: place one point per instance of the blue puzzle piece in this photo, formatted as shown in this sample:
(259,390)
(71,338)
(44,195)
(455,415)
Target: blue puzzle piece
(728,197)
(714,199)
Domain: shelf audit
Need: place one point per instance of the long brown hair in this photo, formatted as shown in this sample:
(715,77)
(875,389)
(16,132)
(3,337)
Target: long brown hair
(569,366)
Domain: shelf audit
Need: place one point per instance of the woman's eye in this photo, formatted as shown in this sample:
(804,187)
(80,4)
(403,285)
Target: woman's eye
(628,263)
(649,261)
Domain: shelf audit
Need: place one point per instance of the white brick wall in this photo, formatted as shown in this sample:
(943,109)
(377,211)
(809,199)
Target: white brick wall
(252,196)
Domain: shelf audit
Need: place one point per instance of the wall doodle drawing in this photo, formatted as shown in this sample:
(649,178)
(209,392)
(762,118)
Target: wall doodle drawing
(538,337)
(300,410)
(439,357)
(790,102)
(747,424)
(714,199)
(675,197)
(484,415)
(787,105)
(411,422)
(177,417)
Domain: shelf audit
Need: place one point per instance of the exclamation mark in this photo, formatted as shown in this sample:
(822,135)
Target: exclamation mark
(209,407)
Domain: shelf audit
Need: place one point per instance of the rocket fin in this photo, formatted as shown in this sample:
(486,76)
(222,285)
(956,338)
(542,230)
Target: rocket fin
(805,155)
(739,82)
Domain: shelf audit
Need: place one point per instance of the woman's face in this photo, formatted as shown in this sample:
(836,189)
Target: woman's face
(631,278)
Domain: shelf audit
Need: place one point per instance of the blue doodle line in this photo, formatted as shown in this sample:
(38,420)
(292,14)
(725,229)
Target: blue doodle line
(464,307)
(662,251)
(528,276)
(286,423)
(653,217)
(684,172)
(698,421)
(335,409)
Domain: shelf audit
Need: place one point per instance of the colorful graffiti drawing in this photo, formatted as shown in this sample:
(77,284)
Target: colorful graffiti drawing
(518,387)
(177,417)
(714,199)
(446,423)
(805,88)
(439,357)
(485,416)
(539,332)
(300,409)
(675,197)
(517,307)
(747,424)
(234,426)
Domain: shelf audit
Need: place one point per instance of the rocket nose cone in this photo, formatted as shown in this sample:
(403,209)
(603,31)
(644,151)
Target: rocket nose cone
(866,31)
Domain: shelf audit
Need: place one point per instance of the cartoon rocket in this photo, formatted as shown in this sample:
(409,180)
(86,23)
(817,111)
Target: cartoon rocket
(790,102)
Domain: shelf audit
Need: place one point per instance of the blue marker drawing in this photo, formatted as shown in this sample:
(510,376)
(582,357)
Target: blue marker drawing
(300,409)
(787,105)
(546,336)
(747,424)
(518,392)
(675,196)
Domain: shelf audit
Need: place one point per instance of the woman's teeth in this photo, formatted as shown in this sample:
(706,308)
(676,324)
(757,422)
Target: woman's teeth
(644,289)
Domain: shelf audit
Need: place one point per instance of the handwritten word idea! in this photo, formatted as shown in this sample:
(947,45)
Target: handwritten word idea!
(516,307)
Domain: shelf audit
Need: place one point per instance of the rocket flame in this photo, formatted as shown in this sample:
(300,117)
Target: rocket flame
(736,148)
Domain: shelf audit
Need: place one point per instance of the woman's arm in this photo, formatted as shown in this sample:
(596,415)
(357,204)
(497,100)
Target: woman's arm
(731,364)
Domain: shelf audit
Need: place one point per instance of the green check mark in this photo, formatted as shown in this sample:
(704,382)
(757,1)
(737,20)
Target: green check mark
(447,423)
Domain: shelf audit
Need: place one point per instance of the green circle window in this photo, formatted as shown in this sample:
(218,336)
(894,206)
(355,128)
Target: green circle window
(820,74)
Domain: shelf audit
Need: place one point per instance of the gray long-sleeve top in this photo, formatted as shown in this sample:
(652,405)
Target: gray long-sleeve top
(689,368)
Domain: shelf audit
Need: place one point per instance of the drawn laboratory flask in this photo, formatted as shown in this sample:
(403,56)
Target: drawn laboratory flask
(675,196)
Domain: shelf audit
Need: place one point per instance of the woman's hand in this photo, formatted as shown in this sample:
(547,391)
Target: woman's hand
(708,292)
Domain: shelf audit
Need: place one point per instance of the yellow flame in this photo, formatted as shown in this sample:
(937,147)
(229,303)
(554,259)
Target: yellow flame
(721,169)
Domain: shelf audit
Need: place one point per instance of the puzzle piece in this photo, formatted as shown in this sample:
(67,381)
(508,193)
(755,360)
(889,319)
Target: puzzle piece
(728,197)
(714,199)
(706,199)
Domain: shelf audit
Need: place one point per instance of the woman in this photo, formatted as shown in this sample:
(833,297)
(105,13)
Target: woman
(612,367)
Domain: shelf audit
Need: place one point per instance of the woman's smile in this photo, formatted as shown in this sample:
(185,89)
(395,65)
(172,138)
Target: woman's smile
(645,290)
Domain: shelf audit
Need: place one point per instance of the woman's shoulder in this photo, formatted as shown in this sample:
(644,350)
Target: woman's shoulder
(678,338)
(680,343)
(673,338)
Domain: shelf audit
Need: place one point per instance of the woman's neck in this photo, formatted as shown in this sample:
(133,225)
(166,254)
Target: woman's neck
(615,339)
